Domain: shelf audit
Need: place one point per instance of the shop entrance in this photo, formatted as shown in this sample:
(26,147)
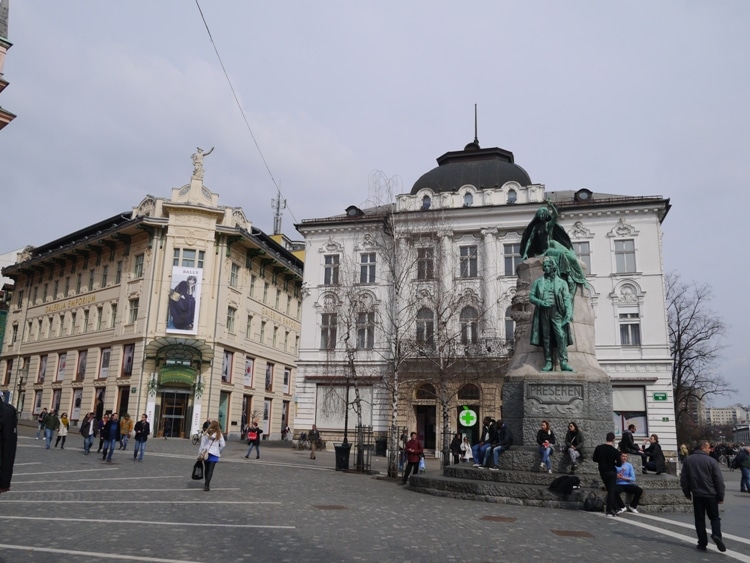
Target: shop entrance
(173,417)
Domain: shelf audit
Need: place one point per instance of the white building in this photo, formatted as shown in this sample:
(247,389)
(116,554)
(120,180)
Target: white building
(436,271)
(721,416)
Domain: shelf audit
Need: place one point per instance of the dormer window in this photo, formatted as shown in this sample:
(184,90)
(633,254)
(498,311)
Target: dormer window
(426,203)
(583,195)
(512,196)
(468,200)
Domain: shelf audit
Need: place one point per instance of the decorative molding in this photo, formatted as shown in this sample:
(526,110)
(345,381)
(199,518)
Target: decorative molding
(622,229)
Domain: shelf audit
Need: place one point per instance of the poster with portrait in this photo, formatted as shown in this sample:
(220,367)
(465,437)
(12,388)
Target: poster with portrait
(249,362)
(75,412)
(42,369)
(128,353)
(184,300)
(61,363)
(226,370)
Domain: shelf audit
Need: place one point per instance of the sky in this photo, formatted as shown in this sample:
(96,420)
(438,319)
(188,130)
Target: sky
(633,98)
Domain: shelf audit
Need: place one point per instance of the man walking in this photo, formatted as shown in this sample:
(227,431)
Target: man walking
(89,431)
(142,430)
(51,425)
(608,458)
(701,477)
(111,434)
(314,438)
(40,423)
(414,453)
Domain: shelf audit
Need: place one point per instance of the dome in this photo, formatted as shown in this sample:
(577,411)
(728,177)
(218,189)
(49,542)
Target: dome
(482,168)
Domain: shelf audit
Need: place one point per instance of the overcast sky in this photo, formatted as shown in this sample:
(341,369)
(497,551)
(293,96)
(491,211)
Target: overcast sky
(646,98)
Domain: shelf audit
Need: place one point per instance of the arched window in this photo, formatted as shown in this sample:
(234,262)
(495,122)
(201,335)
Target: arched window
(512,196)
(510,326)
(426,327)
(426,203)
(426,391)
(469,326)
(468,392)
(468,199)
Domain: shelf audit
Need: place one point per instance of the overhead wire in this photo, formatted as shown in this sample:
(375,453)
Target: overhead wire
(239,106)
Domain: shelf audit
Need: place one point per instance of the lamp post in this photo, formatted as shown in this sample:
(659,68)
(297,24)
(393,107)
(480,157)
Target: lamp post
(19,403)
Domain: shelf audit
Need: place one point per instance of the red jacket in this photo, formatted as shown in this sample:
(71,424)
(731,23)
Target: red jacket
(413,450)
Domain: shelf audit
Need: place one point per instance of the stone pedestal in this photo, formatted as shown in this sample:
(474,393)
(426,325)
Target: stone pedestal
(583,396)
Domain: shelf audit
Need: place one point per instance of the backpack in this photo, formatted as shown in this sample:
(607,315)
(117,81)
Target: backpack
(565,484)
(593,503)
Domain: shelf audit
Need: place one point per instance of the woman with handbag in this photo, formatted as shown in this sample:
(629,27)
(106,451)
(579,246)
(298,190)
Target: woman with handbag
(209,451)
(62,432)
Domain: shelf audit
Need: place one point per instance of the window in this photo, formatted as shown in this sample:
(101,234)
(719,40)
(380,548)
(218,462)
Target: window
(468,200)
(366,330)
(512,253)
(512,197)
(287,379)
(67,286)
(278,299)
(367,268)
(46,291)
(269,377)
(226,370)
(426,202)
(85,327)
(630,329)
(73,322)
(469,392)
(469,326)
(328,324)
(133,310)
(138,266)
(104,363)
(288,304)
(231,314)
(425,263)
(249,364)
(583,251)
(286,341)
(252,285)
(426,327)
(275,336)
(81,368)
(55,292)
(331,269)
(191,258)
(60,323)
(262,332)
(105,273)
(629,406)
(118,273)
(14,335)
(99,315)
(42,369)
(468,258)
(92,274)
(265,292)
(510,326)
(8,372)
(624,256)
(112,315)
(128,354)
(234,275)
(79,281)
(249,327)
(426,391)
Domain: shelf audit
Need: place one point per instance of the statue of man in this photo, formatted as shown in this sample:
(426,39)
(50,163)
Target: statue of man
(553,313)
(198,161)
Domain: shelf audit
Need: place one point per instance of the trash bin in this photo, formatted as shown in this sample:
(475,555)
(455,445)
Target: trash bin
(381,446)
(342,456)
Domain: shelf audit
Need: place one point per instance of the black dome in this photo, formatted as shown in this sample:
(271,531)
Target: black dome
(482,168)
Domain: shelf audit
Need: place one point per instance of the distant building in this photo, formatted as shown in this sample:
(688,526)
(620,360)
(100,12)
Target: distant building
(438,267)
(179,308)
(5,116)
(726,416)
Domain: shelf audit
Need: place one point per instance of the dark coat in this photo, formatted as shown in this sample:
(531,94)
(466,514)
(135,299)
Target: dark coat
(8,442)
(258,431)
(627,443)
(655,454)
(574,439)
(541,436)
(414,450)
(701,476)
(142,430)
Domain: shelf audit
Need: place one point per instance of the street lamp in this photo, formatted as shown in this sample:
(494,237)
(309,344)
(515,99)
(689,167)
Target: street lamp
(21,382)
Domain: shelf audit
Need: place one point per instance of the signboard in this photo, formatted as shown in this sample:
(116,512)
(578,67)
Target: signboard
(660,396)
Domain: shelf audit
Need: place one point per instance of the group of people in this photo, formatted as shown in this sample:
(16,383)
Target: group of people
(115,432)
(495,438)
(650,453)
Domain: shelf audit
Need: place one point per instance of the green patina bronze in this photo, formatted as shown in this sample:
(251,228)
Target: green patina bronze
(553,313)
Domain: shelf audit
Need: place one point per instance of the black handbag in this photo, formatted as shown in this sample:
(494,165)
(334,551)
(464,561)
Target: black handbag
(593,503)
(198,470)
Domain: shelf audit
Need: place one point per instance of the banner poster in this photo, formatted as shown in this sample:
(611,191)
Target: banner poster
(184,300)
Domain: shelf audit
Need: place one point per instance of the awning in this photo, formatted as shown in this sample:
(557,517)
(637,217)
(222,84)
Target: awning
(183,350)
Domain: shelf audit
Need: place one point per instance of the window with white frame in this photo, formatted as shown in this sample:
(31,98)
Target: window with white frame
(468,261)
(469,326)
(512,254)
(138,265)
(328,326)
(510,326)
(629,407)
(234,275)
(331,269)
(630,329)
(367,267)
(188,257)
(625,256)
(583,251)
(133,315)
(366,330)
(425,263)
(104,363)
(426,327)
(231,314)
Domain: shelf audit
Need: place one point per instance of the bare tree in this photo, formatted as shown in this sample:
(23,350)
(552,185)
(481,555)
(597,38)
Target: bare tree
(695,336)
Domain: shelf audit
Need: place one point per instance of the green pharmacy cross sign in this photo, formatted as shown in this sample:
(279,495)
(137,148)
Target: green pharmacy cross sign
(468,417)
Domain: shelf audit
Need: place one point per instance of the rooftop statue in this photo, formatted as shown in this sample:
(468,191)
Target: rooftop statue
(198,161)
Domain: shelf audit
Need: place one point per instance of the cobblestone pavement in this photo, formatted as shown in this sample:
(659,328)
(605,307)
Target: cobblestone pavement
(65,506)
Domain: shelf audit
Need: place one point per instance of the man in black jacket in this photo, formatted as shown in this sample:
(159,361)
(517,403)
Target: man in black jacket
(8,441)
(504,442)
(142,430)
(701,477)
(608,458)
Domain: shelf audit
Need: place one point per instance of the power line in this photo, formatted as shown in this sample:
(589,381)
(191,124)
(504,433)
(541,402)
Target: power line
(239,106)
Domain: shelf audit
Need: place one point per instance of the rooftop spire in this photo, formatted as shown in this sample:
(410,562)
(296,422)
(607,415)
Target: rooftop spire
(476,138)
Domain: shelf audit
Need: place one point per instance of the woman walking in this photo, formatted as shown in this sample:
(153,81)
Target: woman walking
(62,431)
(212,443)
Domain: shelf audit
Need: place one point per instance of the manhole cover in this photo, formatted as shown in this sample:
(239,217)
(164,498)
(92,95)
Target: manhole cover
(572,533)
(498,518)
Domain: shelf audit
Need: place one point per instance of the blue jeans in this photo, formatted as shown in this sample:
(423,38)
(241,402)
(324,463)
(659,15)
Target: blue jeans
(87,443)
(478,452)
(47,437)
(39,429)
(124,441)
(545,453)
(109,448)
(255,445)
(745,481)
(138,449)
(495,455)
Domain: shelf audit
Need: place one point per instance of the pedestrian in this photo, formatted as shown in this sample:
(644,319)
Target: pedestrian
(655,456)
(212,443)
(104,420)
(126,427)
(8,442)
(743,462)
(253,439)
(574,445)
(40,423)
(546,440)
(466,451)
(62,431)
(51,425)
(314,438)
(485,441)
(627,443)
(142,430)
(414,453)
(111,432)
(206,424)
(504,440)
(89,431)
(626,484)
(608,458)
(701,480)
(456,448)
